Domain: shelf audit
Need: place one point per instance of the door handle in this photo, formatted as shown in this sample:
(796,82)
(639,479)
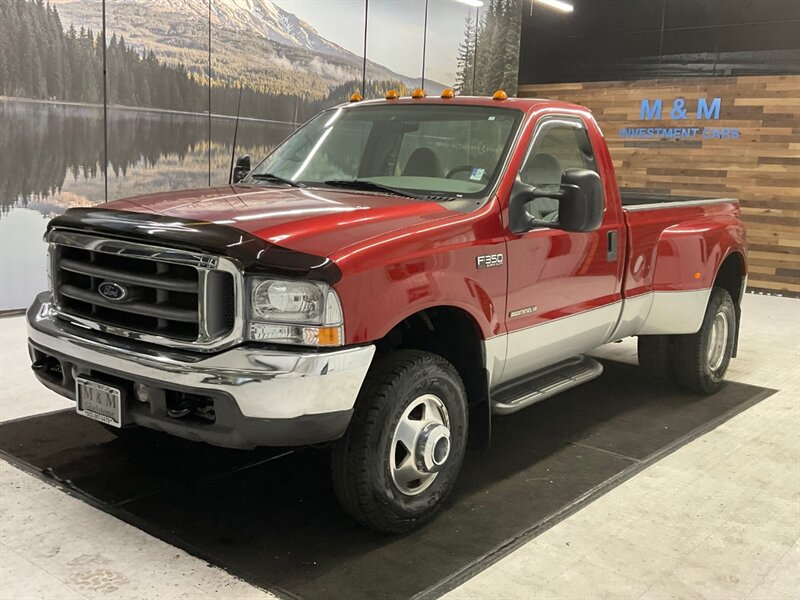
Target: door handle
(611,246)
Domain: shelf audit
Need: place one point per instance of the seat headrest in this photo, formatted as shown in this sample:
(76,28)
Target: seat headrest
(543,169)
(423,162)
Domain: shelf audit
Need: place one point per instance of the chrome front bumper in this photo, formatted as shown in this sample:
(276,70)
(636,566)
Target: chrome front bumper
(263,383)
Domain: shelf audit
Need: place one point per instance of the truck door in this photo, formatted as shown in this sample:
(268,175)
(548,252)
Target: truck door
(563,288)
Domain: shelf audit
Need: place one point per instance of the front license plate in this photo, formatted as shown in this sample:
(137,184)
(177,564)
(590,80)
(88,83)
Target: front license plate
(99,401)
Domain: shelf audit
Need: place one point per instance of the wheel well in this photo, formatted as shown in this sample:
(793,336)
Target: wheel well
(731,276)
(454,335)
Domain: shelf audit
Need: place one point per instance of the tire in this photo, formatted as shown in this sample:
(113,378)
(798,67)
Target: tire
(405,392)
(655,357)
(701,359)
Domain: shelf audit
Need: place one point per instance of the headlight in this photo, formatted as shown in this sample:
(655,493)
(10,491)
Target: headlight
(295,312)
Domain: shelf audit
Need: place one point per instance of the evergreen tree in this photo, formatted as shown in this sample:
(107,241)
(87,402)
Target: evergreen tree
(497,50)
(513,29)
(466,55)
(486,49)
(39,59)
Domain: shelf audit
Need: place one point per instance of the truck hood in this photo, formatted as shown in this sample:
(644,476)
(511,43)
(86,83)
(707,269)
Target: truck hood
(311,220)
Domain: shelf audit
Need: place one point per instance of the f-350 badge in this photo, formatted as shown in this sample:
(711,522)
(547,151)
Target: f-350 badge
(489,260)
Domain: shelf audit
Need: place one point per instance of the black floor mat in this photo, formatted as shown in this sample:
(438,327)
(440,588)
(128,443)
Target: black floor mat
(270,517)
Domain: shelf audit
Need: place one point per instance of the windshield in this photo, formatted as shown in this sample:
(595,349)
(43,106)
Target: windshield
(423,150)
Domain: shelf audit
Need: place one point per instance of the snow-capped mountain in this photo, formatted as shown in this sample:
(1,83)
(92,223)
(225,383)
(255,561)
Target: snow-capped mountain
(252,40)
(263,17)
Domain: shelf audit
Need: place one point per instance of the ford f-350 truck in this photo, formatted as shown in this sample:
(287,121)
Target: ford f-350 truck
(389,277)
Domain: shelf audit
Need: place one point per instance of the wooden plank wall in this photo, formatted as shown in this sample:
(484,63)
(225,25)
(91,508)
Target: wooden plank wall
(761,169)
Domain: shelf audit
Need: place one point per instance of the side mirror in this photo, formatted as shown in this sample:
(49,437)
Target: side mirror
(580,203)
(581,208)
(241,169)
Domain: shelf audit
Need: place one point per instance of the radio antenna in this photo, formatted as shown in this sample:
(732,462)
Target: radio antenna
(364,58)
(235,133)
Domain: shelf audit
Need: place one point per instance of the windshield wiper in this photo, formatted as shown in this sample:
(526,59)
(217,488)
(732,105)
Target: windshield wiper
(368,186)
(275,179)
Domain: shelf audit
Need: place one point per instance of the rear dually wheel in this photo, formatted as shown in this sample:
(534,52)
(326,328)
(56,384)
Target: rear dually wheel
(697,361)
(702,358)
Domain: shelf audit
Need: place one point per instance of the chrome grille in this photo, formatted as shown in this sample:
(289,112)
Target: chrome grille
(173,297)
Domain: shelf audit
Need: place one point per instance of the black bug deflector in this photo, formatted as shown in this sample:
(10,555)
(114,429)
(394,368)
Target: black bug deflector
(257,256)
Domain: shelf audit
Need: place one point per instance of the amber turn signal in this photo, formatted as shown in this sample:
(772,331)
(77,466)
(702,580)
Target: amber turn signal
(330,336)
(418,93)
(500,95)
(356,97)
(448,93)
(392,95)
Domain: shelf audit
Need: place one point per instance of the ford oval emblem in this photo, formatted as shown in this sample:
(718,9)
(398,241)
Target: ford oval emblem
(112,291)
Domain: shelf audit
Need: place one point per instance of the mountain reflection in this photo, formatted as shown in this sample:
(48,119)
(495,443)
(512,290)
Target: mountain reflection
(54,152)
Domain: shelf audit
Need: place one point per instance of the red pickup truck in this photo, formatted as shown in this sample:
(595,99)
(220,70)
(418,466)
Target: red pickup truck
(389,277)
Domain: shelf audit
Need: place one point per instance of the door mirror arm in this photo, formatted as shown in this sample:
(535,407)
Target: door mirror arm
(580,203)
(522,194)
(241,169)
(519,219)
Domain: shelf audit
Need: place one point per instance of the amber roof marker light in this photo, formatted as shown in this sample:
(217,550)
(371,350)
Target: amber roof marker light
(448,93)
(500,95)
(392,95)
(418,93)
(356,97)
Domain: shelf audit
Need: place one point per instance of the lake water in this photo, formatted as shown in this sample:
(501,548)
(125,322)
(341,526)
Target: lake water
(51,158)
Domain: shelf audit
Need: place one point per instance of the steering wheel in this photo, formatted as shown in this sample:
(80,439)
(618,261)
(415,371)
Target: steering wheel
(462,169)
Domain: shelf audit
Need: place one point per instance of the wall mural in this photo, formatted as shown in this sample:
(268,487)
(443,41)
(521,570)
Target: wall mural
(697,98)
(174,73)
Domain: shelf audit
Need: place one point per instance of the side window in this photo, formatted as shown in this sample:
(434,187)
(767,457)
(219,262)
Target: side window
(559,145)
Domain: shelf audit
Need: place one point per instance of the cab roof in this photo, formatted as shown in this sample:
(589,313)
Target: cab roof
(526,105)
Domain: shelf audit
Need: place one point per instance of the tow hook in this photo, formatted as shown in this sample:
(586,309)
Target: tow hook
(182,409)
(184,406)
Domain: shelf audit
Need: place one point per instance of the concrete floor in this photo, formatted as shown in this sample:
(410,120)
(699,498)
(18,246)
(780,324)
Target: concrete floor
(719,518)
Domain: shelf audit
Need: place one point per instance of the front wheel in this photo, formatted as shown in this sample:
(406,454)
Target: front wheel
(403,450)
(702,358)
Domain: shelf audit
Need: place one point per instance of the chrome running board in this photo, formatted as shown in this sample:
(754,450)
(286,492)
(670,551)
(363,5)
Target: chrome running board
(546,384)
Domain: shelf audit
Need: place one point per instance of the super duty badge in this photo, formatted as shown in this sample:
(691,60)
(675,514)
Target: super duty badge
(489,260)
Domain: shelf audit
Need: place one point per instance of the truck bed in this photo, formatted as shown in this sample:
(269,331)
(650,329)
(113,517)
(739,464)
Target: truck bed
(635,199)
